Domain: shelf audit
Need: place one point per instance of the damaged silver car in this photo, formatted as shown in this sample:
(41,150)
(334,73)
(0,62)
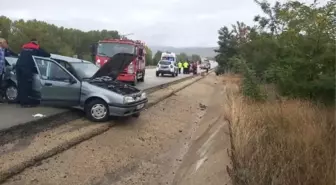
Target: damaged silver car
(10,83)
(70,82)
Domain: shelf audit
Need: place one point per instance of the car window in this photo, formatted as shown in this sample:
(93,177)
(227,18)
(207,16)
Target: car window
(66,65)
(51,71)
(162,62)
(42,67)
(11,60)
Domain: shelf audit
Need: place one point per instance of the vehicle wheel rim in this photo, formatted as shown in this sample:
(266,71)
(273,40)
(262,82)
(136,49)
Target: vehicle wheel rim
(98,111)
(11,93)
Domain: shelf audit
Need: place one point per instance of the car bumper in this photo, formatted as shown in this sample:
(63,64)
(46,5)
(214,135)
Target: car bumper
(126,77)
(165,71)
(123,110)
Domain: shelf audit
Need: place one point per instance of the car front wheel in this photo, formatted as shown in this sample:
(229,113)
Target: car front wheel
(11,93)
(97,110)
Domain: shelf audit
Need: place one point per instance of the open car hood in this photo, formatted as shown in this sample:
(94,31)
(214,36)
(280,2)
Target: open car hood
(115,65)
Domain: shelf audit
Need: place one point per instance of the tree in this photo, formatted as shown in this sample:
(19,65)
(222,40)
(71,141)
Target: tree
(58,40)
(157,57)
(292,46)
(182,57)
(195,57)
(149,59)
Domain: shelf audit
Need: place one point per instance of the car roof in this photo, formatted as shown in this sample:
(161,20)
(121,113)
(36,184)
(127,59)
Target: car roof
(67,59)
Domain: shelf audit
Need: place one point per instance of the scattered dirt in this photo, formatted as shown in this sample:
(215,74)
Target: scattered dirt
(150,150)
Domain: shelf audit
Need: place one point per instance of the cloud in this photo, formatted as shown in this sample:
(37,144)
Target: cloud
(169,22)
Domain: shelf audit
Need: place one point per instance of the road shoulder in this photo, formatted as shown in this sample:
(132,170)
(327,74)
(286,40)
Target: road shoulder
(207,159)
(24,152)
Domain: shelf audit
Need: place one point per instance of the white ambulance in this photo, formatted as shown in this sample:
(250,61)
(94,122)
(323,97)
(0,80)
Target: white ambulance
(169,56)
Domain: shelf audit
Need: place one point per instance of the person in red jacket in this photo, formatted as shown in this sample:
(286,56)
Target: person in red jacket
(25,69)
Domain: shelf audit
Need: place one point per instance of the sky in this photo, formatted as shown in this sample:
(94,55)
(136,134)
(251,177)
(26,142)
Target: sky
(178,23)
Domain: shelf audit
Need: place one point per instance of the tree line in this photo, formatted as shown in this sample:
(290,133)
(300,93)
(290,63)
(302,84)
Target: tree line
(292,46)
(58,40)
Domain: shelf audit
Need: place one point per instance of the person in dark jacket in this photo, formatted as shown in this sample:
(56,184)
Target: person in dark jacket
(9,52)
(25,69)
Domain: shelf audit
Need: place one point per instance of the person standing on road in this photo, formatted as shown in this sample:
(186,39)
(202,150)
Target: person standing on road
(3,47)
(179,64)
(9,52)
(185,67)
(190,67)
(194,67)
(25,69)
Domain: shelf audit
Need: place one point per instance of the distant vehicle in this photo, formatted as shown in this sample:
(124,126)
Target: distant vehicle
(135,71)
(70,82)
(167,67)
(169,56)
(205,65)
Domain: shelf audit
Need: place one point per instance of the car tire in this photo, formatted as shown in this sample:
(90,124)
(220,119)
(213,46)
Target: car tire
(142,79)
(136,115)
(11,93)
(157,74)
(173,74)
(97,110)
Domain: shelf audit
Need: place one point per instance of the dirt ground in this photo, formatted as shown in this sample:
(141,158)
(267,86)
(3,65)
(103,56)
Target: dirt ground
(155,149)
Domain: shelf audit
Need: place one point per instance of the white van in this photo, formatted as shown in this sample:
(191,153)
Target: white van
(169,56)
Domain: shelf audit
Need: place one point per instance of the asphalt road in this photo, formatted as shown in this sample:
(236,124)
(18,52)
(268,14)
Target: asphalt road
(12,115)
(151,80)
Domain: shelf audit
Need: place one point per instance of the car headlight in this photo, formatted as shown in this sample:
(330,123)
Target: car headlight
(143,95)
(128,99)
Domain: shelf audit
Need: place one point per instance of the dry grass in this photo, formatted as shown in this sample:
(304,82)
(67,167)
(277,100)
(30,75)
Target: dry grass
(289,142)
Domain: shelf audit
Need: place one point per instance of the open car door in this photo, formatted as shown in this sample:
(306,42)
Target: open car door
(56,85)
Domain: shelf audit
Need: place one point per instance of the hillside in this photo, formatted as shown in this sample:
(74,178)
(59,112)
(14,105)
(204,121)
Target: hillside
(202,51)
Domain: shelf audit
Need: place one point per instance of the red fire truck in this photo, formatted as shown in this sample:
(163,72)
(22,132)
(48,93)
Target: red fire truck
(135,71)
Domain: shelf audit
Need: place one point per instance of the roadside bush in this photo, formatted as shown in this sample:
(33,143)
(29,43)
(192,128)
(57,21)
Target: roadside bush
(250,86)
(284,143)
(280,142)
(289,137)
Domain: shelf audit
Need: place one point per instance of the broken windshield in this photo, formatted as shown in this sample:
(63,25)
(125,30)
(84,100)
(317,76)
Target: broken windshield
(110,49)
